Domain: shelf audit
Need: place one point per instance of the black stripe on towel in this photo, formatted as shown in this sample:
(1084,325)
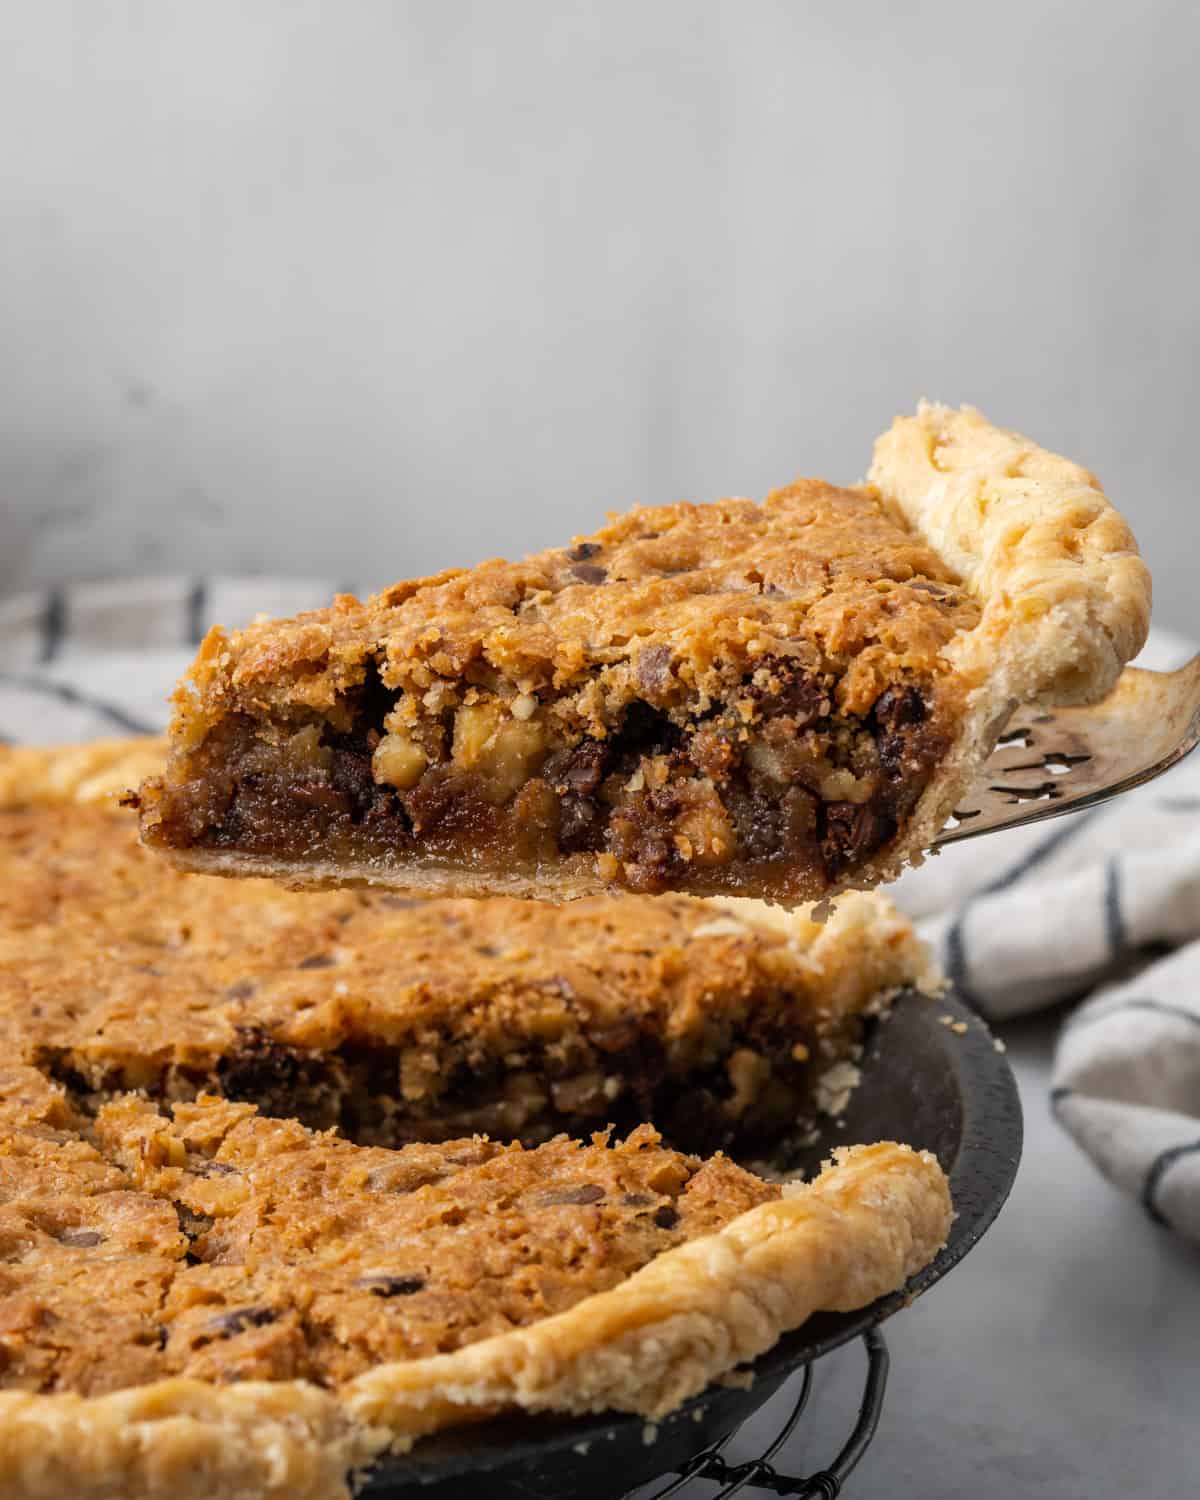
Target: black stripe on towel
(1159,1167)
(957,963)
(107,711)
(1114,917)
(197,611)
(53,625)
(1158,1007)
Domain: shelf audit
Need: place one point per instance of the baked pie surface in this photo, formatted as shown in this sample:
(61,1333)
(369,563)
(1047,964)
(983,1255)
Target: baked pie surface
(778,701)
(199,1297)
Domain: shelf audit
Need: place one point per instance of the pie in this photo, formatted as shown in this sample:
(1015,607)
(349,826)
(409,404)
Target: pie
(779,701)
(200,1295)
(408,1020)
(203,1301)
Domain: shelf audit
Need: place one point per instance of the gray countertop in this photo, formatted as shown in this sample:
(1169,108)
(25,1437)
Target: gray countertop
(1060,1360)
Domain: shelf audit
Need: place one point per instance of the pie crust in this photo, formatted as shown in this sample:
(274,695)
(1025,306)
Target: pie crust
(782,701)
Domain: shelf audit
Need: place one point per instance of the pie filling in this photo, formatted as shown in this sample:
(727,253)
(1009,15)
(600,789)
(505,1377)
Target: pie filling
(753,1092)
(777,790)
(219,1245)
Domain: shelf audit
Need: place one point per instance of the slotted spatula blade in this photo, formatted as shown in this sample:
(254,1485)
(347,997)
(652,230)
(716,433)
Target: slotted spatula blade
(1054,761)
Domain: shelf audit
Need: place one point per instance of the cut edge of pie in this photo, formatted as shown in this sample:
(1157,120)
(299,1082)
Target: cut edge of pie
(727,1023)
(688,700)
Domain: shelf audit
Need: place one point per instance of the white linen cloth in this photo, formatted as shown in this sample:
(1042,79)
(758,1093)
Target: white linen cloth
(1101,908)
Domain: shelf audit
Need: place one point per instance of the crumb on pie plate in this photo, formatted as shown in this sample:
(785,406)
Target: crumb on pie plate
(780,700)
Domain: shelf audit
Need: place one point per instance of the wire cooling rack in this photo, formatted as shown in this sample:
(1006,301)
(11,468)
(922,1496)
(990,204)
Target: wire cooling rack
(759,1475)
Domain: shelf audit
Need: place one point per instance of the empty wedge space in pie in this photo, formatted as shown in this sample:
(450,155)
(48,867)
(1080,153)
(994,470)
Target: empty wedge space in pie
(779,700)
(723,1023)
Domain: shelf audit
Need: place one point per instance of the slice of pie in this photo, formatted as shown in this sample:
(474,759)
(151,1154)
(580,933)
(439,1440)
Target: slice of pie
(396,1020)
(206,1301)
(780,700)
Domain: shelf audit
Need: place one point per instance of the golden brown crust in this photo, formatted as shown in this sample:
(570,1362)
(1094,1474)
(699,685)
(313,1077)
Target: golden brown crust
(1065,595)
(870,1221)
(182,1440)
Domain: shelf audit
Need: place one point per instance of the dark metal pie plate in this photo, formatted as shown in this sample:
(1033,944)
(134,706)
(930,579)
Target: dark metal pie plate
(938,1089)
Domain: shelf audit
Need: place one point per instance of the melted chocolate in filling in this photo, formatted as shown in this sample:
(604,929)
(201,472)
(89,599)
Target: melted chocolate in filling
(581,802)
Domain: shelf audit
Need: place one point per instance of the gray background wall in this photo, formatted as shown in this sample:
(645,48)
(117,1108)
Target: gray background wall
(364,287)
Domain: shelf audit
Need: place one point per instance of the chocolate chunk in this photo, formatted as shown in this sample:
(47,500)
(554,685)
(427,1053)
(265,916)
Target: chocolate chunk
(852,832)
(192,1224)
(636,1200)
(585,1192)
(580,770)
(654,670)
(590,573)
(580,825)
(583,551)
(242,990)
(667,1217)
(898,707)
(80,1239)
(789,691)
(317,961)
(261,1069)
(898,714)
(351,774)
(319,795)
(227,1324)
(203,1167)
(391,1286)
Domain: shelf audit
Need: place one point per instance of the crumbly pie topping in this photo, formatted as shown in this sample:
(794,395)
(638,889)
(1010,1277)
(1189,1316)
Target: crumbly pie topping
(217,1244)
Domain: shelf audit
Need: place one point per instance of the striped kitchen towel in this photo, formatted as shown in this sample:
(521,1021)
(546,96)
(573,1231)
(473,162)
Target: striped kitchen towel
(1100,908)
